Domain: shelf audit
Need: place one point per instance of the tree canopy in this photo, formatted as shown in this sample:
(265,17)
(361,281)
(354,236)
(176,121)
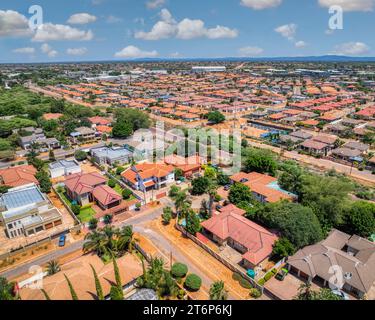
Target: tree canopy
(297,223)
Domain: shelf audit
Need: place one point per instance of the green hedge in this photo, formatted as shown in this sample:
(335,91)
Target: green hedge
(193,282)
(179,270)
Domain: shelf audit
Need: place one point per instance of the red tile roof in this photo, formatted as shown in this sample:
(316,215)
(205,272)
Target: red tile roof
(106,195)
(256,239)
(18,176)
(84,183)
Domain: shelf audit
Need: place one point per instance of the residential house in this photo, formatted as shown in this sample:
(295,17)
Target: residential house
(111,156)
(353,255)
(149,176)
(83,134)
(18,176)
(253,242)
(189,166)
(37,138)
(264,188)
(64,168)
(79,187)
(25,211)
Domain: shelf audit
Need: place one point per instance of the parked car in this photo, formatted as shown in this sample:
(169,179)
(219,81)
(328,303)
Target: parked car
(62,240)
(218,207)
(282,274)
(341,294)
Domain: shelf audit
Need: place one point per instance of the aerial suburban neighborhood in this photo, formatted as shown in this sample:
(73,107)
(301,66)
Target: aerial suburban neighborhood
(184,179)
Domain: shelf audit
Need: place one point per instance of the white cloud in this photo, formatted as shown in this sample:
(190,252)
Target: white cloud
(56,32)
(13,24)
(287,31)
(47,49)
(27,50)
(261,4)
(113,19)
(186,29)
(81,18)
(154,4)
(352,48)
(250,51)
(132,52)
(76,51)
(350,5)
(300,44)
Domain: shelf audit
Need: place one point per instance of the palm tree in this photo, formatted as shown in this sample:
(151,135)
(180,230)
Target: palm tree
(98,286)
(96,241)
(7,291)
(53,267)
(212,191)
(218,292)
(71,289)
(117,274)
(46,296)
(179,200)
(305,292)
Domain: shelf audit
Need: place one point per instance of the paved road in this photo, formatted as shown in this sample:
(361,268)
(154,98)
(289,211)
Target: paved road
(24,268)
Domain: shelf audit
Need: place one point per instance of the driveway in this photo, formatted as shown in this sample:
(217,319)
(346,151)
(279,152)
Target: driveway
(287,289)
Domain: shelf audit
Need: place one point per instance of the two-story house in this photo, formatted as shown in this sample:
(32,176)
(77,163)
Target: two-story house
(149,176)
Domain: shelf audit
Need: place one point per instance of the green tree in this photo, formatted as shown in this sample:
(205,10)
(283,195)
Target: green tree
(117,274)
(7,291)
(199,186)
(179,270)
(360,219)
(260,160)
(167,215)
(44,181)
(283,248)
(45,294)
(240,193)
(193,282)
(98,286)
(291,178)
(76,209)
(80,155)
(193,224)
(93,224)
(126,194)
(116,294)
(53,267)
(297,223)
(51,156)
(71,289)
(107,219)
(218,292)
(122,129)
(327,197)
(215,117)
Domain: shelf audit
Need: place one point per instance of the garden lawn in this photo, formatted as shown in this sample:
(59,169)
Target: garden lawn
(118,189)
(86,214)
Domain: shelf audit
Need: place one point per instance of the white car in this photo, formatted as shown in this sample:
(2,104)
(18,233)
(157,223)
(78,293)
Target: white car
(341,294)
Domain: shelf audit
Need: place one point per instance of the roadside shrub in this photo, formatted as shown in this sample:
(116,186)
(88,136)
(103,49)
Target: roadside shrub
(76,209)
(179,270)
(193,282)
(245,284)
(261,282)
(236,277)
(126,194)
(111,183)
(255,293)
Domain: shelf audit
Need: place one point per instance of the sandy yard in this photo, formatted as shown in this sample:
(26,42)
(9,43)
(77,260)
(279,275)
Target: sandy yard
(201,259)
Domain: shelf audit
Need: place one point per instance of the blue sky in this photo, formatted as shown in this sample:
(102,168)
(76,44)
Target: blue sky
(75,30)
